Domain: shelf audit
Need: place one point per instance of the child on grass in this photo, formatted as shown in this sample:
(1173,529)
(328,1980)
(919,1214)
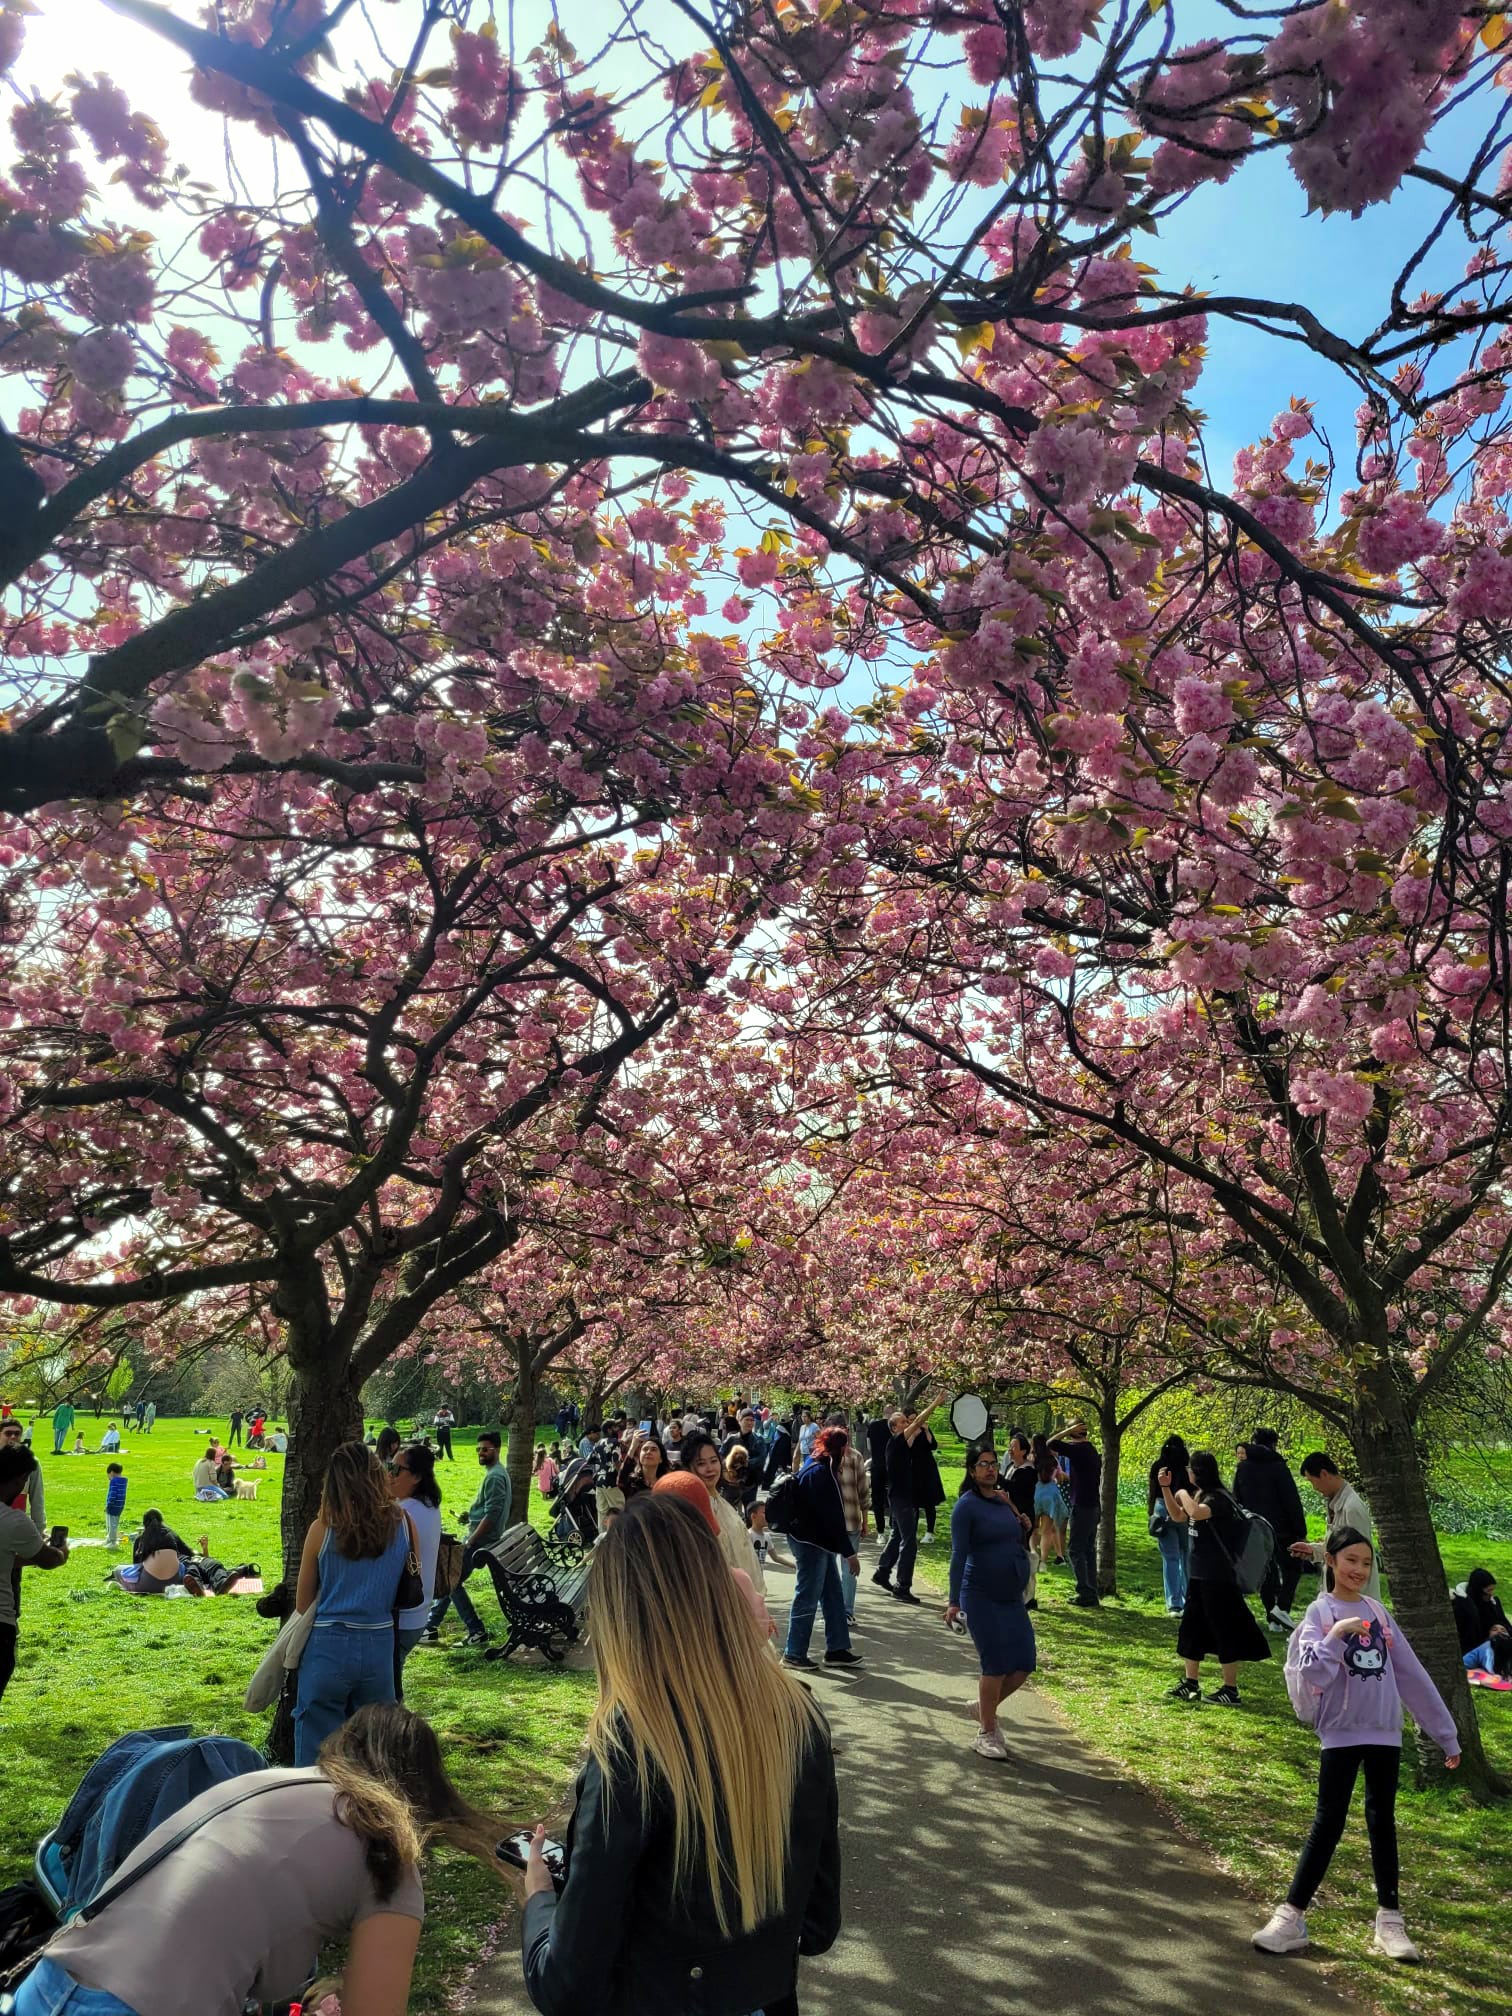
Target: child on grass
(1350,1671)
(115,1503)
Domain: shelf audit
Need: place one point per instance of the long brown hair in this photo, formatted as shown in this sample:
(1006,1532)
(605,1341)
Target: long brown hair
(355,1503)
(393,1792)
(724,1735)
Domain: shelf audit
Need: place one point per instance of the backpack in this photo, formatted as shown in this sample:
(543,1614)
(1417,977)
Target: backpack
(1306,1695)
(782,1503)
(1252,1558)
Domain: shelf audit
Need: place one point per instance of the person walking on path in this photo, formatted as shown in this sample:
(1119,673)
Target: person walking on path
(62,1425)
(445,1422)
(855,1498)
(487,1521)
(704,1848)
(820,1542)
(1020,1482)
(1342,1506)
(901,1551)
(989,1572)
(929,1492)
(354,1554)
(234,1432)
(1174,1540)
(878,1435)
(149,1416)
(701,1460)
(1263,1484)
(1084,1468)
(1217,1622)
(1350,1671)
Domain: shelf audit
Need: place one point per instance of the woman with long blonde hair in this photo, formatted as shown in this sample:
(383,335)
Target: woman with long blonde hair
(704,1851)
(354,1555)
(280,1863)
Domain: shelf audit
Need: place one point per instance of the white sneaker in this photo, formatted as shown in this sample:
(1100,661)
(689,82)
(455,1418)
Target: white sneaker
(1285,1932)
(1391,1937)
(989,1743)
(1281,1620)
(926,1539)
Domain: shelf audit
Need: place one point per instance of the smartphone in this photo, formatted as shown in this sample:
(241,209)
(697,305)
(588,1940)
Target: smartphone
(57,1536)
(645,1428)
(517,1847)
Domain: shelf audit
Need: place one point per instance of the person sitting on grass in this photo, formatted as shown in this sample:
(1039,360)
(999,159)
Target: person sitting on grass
(1485,1639)
(282,1862)
(1350,1671)
(206,1486)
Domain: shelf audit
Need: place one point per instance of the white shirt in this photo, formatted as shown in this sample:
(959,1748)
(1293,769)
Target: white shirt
(427,1524)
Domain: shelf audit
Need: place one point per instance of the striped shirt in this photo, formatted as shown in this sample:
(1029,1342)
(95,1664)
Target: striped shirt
(855,1496)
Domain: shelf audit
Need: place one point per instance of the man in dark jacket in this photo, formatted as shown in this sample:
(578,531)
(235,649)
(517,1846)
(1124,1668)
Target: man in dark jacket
(820,1541)
(1084,1466)
(903,1542)
(877,1436)
(1263,1484)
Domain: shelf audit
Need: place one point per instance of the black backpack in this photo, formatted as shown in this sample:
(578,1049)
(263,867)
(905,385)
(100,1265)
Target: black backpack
(781,1507)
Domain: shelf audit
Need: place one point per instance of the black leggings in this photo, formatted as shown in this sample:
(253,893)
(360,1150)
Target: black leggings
(1382,1763)
(8,1636)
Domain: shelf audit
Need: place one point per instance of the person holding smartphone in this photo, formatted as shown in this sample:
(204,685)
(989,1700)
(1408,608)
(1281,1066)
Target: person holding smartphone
(21,1541)
(703,1855)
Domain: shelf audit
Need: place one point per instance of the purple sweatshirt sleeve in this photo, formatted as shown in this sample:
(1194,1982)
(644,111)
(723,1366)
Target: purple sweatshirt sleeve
(1320,1656)
(1420,1697)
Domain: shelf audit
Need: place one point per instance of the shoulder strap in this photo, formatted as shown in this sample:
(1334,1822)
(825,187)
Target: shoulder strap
(121,1884)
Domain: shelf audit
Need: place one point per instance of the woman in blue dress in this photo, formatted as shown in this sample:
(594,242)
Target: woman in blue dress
(989,1572)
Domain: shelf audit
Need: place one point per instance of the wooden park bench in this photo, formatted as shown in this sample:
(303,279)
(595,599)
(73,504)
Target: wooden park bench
(541,1586)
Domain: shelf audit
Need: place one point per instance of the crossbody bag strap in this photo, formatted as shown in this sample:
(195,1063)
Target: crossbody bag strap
(121,1884)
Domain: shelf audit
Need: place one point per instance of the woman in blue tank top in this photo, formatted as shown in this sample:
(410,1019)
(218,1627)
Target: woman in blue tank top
(354,1554)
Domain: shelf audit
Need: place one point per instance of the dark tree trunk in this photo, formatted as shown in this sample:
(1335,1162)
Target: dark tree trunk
(324,1411)
(522,1427)
(1391,1476)
(1107,1534)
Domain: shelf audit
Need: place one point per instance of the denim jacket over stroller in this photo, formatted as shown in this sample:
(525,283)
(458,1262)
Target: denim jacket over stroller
(140,1781)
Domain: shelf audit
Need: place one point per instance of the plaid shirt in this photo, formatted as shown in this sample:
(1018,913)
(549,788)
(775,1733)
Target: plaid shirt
(855,1495)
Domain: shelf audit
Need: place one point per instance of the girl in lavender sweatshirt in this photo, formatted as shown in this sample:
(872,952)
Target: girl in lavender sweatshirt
(1350,1672)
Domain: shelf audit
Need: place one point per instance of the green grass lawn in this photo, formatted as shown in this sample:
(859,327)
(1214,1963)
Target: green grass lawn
(1243,1781)
(94,1664)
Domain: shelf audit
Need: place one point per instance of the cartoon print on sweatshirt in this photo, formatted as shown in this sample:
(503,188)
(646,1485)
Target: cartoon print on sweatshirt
(1365,1652)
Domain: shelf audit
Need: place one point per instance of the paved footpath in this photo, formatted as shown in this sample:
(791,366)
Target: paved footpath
(1048,1882)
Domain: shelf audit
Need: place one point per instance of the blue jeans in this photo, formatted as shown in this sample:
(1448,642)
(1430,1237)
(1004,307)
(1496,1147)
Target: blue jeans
(48,1991)
(464,1602)
(1174,1555)
(1482,1659)
(404,1643)
(817,1587)
(341,1671)
(902,1546)
(848,1581)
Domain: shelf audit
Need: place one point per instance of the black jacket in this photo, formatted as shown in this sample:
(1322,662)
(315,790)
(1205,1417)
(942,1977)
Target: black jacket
(779,1456)
(151,1538)
(1474,1616)
(624,1939)
(1263,1483)
(819,1511)
(928,1490)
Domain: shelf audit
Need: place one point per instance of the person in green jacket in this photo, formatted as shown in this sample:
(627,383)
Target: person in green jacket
(63,1420)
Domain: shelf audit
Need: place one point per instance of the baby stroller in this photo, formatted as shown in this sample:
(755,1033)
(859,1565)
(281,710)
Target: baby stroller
(142,1780)
(576,1523)
(133,1787)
